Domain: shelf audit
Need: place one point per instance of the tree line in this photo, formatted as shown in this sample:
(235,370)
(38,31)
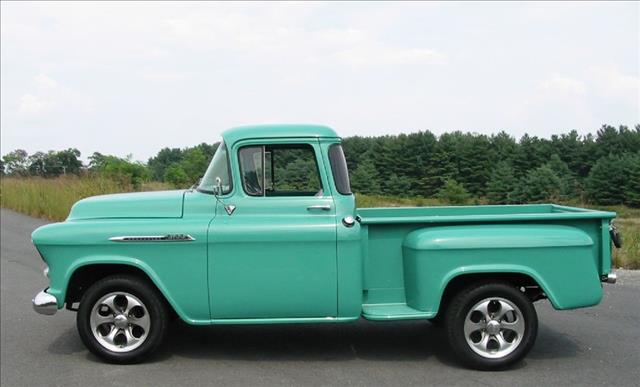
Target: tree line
(603,168)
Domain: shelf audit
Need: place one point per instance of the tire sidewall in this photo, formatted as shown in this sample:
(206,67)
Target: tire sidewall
(146,294)
(458,313)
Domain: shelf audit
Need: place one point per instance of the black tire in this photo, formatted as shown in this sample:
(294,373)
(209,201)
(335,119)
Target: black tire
(144,292)
(460,308)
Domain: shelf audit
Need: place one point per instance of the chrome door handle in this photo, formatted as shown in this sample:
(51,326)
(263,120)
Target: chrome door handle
(323,207)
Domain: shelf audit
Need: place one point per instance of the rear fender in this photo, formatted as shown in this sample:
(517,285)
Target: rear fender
(559,258)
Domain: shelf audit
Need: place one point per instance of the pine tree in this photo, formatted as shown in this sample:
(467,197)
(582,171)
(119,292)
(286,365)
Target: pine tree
(398,185)
(542,185)
(364,179)
(502,184)
(607,180)
(568,183)
(632,184)
(453,192)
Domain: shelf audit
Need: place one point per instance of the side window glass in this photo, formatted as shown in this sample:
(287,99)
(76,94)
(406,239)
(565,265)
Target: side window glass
(219,168)
(289,170)
(251,170)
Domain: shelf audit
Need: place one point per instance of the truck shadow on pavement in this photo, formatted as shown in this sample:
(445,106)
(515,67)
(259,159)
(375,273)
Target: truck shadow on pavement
(363,340)
(319,342)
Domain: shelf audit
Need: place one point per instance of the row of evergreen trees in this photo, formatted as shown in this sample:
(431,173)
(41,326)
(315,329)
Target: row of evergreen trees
(603,169)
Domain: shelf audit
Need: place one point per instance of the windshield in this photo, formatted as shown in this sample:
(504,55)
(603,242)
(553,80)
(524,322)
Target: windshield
(219,167)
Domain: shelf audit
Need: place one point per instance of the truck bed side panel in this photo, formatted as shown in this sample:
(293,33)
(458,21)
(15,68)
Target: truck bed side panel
(561,258)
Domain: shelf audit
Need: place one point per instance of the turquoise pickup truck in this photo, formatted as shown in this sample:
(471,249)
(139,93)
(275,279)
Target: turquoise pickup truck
(271,234)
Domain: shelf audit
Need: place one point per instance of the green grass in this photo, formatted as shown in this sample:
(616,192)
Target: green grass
(628,224)
(628,256)
(364,201)
(52,199)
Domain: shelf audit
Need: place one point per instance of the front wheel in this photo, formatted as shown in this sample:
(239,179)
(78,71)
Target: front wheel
(491,325)
(121,319)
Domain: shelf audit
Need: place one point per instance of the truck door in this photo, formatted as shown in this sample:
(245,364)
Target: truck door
(275,255)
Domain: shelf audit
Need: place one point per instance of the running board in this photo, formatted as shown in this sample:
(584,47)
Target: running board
(390,312)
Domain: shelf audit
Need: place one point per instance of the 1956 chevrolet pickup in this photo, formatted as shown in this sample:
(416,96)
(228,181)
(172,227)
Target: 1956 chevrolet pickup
(271,234)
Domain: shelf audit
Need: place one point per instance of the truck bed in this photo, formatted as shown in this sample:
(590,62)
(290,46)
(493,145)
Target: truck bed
(458,214)
(388,272)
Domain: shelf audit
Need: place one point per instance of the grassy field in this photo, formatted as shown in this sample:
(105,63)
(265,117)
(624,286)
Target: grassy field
(52,199)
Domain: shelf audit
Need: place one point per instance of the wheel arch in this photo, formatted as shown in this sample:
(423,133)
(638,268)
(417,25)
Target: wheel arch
(84,273)
(457,280)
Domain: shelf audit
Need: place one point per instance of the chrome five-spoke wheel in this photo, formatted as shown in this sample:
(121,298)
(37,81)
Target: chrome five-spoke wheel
(494,327)
(122,318)
(120,322)
(491,325)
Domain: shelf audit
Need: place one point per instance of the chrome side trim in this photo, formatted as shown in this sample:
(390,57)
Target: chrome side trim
(153,238)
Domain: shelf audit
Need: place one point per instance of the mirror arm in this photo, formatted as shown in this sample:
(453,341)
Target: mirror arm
(229,208)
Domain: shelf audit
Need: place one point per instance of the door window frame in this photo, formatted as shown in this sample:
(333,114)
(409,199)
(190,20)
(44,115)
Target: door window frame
(314,144)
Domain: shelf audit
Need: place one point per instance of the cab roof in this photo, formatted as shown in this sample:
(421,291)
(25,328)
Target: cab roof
(233,135)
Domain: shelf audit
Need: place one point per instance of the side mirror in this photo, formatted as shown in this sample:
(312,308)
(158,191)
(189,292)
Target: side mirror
(218,190)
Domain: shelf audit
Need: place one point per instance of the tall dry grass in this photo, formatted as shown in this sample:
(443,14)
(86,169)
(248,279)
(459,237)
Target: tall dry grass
(628,256)
(52,198)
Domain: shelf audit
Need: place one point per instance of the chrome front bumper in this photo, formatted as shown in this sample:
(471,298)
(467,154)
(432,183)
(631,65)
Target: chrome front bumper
(45,303)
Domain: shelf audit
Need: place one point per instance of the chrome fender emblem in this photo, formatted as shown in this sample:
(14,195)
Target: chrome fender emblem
(153,238)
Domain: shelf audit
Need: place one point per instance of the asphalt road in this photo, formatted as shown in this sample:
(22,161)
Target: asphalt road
(594,346)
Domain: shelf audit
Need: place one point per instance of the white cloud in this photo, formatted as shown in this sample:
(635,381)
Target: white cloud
(340,37)
(611,83)
(559,86)
(31,105)
(73,71)
(44,82)
(280,35)
(165,76)
(376,56)
(584,100)
(46,95)
(42,98)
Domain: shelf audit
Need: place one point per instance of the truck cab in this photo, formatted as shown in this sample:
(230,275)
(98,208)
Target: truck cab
(284,223)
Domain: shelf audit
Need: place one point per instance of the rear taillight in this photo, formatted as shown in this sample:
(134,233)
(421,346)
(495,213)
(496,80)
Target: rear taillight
(615,236)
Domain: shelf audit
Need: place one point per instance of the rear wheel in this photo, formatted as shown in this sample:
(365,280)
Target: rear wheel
(121,319)
(491,325)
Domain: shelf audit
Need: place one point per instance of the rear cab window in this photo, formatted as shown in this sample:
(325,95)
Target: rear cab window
(339,169)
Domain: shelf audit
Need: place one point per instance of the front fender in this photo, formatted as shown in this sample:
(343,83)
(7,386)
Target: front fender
(177,268)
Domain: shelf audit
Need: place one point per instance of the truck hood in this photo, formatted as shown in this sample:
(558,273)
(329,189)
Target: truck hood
(159,204)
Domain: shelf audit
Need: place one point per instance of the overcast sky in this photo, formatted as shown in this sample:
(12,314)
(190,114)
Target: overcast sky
(131,78)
